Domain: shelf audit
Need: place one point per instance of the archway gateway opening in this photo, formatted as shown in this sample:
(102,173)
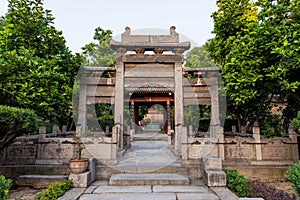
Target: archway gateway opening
(151,111)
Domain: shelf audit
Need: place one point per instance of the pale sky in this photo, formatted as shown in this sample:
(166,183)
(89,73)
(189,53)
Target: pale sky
(77,19)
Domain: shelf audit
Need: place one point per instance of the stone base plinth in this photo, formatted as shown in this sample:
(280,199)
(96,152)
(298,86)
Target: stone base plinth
(214,178)
(82,180)
(39,181)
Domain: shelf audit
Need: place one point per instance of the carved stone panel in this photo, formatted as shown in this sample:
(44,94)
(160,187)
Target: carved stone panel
(280,152)
(246,151)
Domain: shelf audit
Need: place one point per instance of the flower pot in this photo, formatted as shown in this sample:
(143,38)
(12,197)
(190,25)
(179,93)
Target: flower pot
(78,166)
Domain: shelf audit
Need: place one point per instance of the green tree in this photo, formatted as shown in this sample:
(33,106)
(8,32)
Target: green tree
(37,70)
(99,53)
(199,57)
(259,59)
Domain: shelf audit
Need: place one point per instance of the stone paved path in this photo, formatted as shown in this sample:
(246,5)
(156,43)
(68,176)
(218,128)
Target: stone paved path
(99,190)
(149,153)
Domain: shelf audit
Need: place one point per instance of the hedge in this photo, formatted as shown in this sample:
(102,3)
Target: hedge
(243,187)
(294,176)
(16,122)
(54,191)
(5,185)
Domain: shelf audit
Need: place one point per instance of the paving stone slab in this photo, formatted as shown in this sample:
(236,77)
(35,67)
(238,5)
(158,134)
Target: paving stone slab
(224,193)
(123,189)
(180,188)
(100,183)
(128,196)
(72,194)
(90,189)
(149,179)
(196,196)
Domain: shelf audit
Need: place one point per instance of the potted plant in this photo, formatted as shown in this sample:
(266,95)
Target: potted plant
(78,164)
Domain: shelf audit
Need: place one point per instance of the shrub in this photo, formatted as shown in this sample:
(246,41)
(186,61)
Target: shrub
(294,176)
(5,185)
(296,123)
(267,192)
(237,183)
(54,191)
(15,122)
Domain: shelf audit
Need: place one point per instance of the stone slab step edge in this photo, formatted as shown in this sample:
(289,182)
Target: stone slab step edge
(39,181)
(148,179)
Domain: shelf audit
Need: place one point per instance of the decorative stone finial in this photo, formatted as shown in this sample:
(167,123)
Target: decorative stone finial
(127,30)
(172,30)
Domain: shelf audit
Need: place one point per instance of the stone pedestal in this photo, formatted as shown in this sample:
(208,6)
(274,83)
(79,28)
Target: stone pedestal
(83,180)
(212,172)
(214,178)
(211,163)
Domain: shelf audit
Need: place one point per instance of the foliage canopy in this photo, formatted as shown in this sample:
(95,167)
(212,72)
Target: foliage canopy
(37,70)
(99,53)
(257,48)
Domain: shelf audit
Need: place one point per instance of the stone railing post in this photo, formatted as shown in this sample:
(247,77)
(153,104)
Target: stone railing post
(191,134)
(41,139)
(64,129)
(256,136)
(114,144)
(293,135)
(78,130)
(106,130)
(184,143)
(233,129)
(178,136)
(221,144)
(42,133)
(243,131)
(55,130)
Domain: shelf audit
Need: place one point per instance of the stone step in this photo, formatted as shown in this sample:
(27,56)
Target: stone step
(39,181)
(150,135)
(148,179)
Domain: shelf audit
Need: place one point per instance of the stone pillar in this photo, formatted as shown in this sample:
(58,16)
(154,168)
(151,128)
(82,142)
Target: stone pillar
(169,125)
(178,105)
(119,99)
(82,108)
(168,115)
(132,116)
(256,136)
(215,112)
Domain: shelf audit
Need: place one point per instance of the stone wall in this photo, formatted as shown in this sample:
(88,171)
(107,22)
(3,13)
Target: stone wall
(250,155)
(45,150)
(250,150)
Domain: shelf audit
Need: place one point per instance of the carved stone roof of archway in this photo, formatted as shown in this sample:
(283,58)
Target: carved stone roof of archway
(156,43)
(150,88)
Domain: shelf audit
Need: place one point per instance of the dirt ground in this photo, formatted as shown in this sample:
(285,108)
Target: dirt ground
(285,186)
(23,193)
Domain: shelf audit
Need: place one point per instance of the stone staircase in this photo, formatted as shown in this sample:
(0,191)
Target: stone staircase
(149,162)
